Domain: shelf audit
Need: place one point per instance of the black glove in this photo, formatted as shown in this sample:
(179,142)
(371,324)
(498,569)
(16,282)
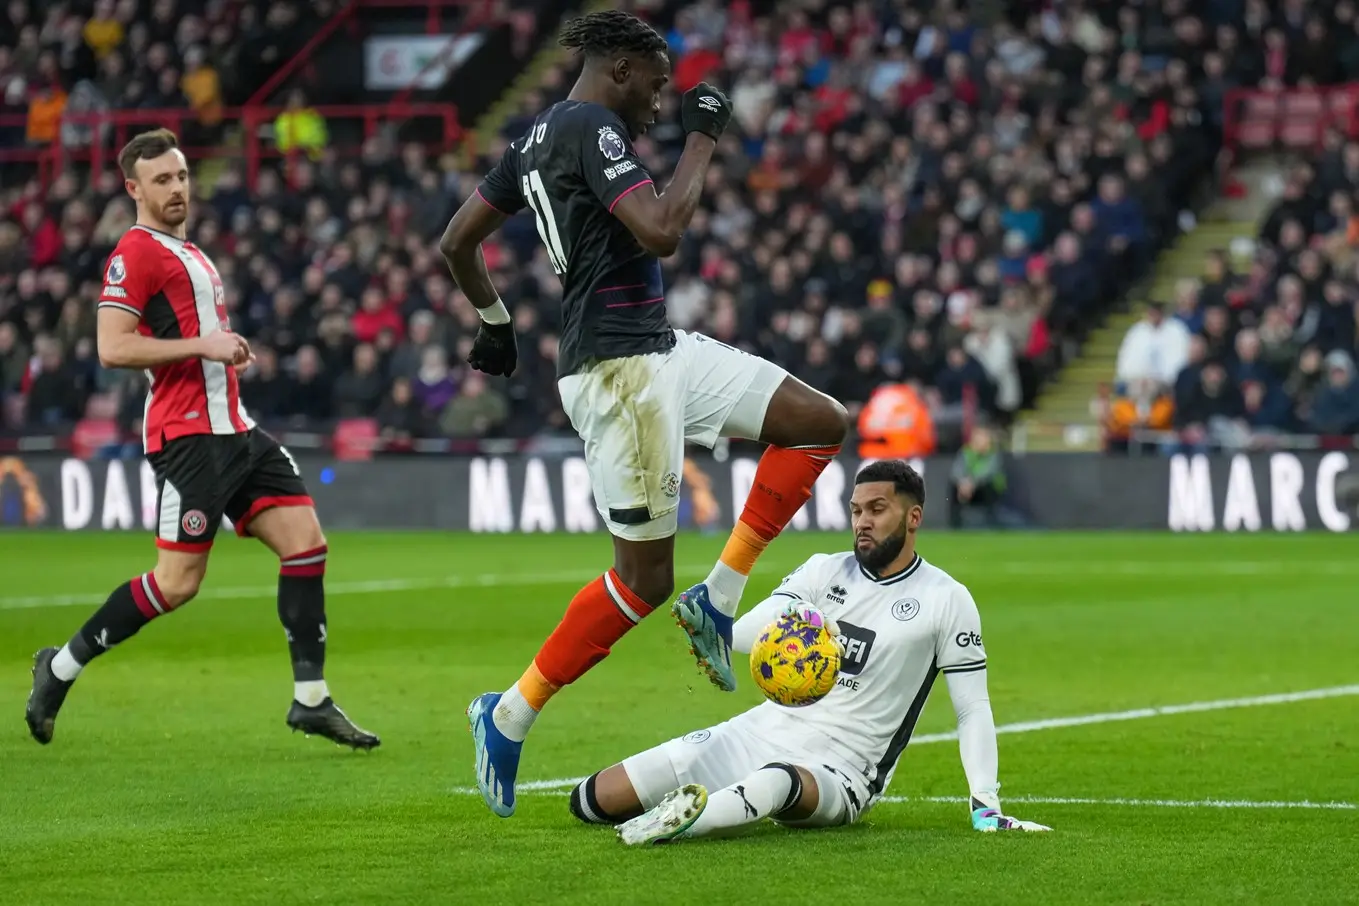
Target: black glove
(705,109)
(495,350)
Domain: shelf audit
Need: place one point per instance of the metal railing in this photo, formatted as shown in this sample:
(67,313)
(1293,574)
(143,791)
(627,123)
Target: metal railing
(106,132)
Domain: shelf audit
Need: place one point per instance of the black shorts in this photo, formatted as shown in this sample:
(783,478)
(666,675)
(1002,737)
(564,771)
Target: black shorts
(203,477)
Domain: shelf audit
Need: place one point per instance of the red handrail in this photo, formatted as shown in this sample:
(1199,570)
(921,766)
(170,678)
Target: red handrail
(123,124)
(297,60)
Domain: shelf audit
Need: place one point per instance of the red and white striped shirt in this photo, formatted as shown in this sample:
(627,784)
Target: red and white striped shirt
(177,293)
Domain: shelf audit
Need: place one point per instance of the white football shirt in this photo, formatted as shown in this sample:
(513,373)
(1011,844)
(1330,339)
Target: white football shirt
(899,632)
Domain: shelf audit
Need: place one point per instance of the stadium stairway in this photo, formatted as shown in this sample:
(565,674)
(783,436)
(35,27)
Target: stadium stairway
(550,54)
(1063,418)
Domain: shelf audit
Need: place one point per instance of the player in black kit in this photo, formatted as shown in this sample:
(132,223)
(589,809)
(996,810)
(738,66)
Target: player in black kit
(634,388)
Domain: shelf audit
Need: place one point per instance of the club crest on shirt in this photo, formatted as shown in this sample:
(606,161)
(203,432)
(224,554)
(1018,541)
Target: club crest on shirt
(611,144)
(905,609)
(117,271)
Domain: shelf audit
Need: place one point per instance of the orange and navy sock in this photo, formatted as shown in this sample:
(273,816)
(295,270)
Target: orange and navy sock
(783,483)
(599,615)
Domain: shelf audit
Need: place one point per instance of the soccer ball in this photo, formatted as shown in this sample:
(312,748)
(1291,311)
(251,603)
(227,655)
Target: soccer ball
(794,662)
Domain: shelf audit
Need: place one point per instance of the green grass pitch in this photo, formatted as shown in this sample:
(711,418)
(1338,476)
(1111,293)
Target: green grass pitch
(173,779)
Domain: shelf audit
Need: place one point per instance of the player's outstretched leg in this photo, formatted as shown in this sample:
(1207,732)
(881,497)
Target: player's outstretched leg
(804,429)
(294,533)
(599,615)
(130,607)
(775,790)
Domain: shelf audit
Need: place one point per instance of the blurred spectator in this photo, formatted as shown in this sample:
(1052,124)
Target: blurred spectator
(312,392)
(1335,410)
(299,127)
(56,396)
(1213,412)
(360,390)
(896,423)
(434,387)
(13,359)
(202,87)
(399,418)
(265,391)
(1152,353)
(979,484)
(475,412)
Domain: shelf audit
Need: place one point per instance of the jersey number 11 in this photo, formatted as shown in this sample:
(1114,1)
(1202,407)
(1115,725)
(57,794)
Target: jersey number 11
(535,193)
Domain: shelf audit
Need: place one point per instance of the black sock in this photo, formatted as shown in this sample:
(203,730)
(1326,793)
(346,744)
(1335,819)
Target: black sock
(302,610)
(131,606)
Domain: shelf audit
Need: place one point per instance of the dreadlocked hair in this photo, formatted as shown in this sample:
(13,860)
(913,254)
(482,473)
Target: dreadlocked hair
(610,32)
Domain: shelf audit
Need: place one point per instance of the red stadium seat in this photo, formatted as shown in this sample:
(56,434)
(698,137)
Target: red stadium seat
(1256,134)
(355,438)
(1300,133)
(91,434)
(1303,105)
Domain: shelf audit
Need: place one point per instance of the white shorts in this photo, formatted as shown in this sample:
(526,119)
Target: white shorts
(635,415)
(729,752)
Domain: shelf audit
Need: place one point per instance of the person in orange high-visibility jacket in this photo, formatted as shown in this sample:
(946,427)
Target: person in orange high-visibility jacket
(895,424)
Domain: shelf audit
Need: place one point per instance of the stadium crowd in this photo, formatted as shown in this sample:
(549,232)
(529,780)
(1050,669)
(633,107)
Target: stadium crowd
(913,212)
(1240,360)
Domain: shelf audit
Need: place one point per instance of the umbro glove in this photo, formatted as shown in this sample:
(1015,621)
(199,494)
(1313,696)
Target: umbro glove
(705,109)
(495,350)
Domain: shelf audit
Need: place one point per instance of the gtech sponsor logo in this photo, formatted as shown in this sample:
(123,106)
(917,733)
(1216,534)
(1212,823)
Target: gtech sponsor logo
(966,639)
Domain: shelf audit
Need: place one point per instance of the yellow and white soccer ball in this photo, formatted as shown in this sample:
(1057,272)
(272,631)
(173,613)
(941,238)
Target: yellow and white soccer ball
(795,662)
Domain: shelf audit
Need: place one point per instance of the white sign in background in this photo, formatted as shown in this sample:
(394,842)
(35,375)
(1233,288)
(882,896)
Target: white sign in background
(394,62)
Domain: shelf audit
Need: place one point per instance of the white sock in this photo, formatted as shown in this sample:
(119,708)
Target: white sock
(65,666)
(745,802)
(513,716)
(311,692)
(725,587)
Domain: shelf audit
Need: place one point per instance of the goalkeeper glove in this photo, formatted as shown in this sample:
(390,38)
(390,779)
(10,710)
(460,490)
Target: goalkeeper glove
(806,613)
(987,817)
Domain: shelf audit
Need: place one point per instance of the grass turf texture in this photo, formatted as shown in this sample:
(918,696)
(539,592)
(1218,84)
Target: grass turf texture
(172,778)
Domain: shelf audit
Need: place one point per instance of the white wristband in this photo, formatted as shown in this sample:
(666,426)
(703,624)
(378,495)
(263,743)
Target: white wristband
(495,314)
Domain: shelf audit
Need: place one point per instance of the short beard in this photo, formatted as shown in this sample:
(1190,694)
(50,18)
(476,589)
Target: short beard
(881,555)
(164,218)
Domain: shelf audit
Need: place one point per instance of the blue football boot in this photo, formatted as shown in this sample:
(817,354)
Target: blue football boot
(709,633)
(497,761)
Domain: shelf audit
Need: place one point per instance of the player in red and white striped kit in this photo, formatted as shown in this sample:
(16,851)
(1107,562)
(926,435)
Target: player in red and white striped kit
(162,309)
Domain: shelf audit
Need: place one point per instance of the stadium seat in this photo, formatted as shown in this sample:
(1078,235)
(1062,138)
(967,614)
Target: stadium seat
(93,434)
(355,438)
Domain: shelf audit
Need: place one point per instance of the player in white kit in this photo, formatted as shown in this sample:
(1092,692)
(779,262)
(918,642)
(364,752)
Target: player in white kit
(900,623)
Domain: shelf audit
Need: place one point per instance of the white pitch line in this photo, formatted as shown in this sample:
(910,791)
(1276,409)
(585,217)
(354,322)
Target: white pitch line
(1143,803)
(1116,801)
(236,593)
(1223,704)
(561,784)
(520,579)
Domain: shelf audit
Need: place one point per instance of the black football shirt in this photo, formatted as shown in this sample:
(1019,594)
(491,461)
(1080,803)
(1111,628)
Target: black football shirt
(570,169)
